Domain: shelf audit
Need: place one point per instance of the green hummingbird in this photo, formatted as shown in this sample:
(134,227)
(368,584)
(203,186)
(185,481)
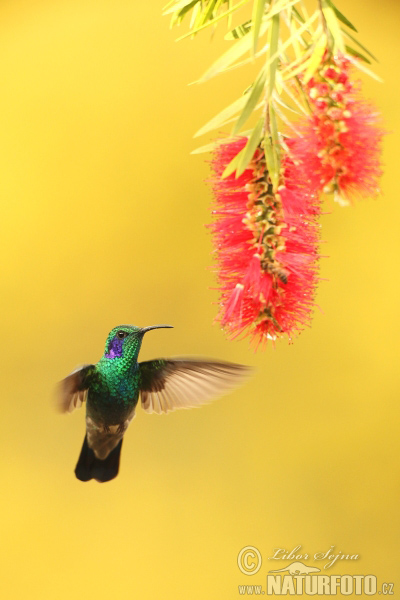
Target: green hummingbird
(111,389)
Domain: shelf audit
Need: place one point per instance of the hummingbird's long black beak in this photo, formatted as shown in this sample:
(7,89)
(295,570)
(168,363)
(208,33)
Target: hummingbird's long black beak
(144,329)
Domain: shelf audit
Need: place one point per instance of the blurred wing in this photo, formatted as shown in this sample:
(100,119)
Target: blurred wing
(72,391)
(168,384)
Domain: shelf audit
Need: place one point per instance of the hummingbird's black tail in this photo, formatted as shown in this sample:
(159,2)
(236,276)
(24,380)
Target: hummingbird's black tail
(89,467)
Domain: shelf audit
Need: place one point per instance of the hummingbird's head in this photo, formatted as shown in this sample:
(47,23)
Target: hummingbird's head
(125,340)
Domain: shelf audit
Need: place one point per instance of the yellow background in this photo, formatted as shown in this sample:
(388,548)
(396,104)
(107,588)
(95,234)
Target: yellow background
(101,224)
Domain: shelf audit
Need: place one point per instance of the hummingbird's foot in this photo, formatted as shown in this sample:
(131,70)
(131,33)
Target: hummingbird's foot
(106,429)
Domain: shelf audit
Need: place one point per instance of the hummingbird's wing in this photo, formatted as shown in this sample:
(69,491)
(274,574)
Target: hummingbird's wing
(168,384)
(72,391)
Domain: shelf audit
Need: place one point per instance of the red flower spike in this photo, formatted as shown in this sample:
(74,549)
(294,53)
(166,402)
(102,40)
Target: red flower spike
(266,247)
(340,143)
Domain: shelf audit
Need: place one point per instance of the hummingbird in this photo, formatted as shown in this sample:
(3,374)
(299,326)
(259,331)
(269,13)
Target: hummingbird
(111,389)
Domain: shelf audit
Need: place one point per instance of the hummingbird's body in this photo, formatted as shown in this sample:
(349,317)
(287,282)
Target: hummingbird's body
(112,388)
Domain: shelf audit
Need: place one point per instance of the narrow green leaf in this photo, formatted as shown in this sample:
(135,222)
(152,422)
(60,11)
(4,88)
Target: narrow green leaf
(289,74)
(195,15)
(274,150)
(273,51)
(259,105)
(341,16)
(274,128)
(209,11)
(298,15)
(270,159)
(299,61)
(199,17)
(287,122)
(177,7)
(167,5)
(279,6)
(209,147)
(358,54)
(252,99)
(239,31)
(250,148)
(296,35)
(258,12)
(230,56)
(296,43)
(333,25)
(353,39)
(211,22)
(230,17)
(316,58)
(229,169)
(246,61)
(278,99)
(220,119)
(206,148)
(293,98)
(362,67)
(244,29)
(186,9)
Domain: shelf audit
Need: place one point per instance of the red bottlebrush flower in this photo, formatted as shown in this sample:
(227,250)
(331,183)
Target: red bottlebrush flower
(266,247)
(341,141)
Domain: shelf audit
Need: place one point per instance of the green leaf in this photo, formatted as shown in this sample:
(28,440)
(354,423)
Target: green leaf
(184,10)
(209,147)
(279,6)
(167,5)
(220,119)
(274,128)
(229,169)
(278,99)
(206,148)
(177,7)
(223,62)
(273,52)
(258,12)
(292,71)
(246,61)
(239,31)
(333,25)
(271,148)
(358,54)
(353,39)
(296,35)
(316,58)
(296,43)
(341,16)
(209,11)
(212,21)
(293,98)
(287,122)
(196,13)
(252,99)
(362,67)
(249,149)
(297,14)
(270,160)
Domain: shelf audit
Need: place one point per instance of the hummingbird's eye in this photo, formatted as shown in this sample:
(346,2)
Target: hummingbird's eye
(122,334)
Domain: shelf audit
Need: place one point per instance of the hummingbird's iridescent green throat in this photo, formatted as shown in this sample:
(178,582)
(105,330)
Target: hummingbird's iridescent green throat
(111,389)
